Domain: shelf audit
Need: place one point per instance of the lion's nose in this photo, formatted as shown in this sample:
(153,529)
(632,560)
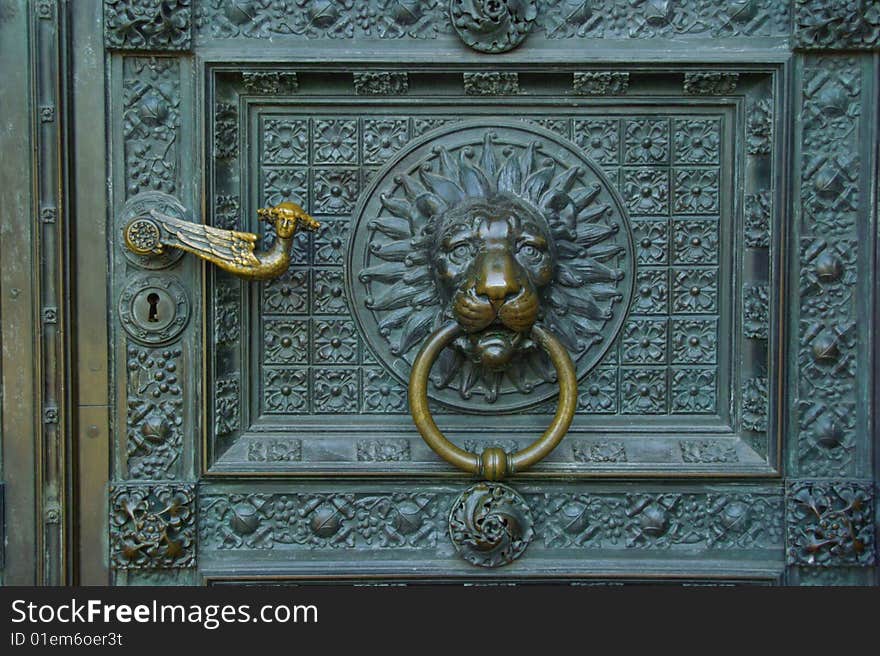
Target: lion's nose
(497,280)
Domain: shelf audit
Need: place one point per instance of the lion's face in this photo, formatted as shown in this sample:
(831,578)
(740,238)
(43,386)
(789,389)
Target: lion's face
(492,258)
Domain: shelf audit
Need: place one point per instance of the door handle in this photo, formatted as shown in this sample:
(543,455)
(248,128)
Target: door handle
(152,231)
(493,463)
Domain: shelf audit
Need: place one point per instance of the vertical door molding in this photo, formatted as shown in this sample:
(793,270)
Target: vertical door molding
(34,306)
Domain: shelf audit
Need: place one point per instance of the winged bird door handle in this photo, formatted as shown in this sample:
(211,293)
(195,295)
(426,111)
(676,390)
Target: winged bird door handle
(153,231)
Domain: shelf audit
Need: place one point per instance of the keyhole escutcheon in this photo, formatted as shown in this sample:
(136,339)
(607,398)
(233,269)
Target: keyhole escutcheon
(153,312)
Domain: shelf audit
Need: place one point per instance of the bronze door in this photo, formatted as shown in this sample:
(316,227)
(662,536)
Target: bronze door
(446,290)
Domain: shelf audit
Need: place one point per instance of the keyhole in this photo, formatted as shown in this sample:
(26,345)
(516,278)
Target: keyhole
(153,313)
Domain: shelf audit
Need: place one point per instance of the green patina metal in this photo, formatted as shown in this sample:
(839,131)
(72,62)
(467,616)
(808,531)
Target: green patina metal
(704,172)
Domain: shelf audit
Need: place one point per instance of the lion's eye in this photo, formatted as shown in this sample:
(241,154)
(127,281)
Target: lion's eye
(530,252)
(460,252)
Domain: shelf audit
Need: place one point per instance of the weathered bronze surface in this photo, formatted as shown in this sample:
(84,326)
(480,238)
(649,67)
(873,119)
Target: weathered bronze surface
(494,463)
(231,250)
(490,525)
(493,26)
(491,257)
(725,428)
(494,225)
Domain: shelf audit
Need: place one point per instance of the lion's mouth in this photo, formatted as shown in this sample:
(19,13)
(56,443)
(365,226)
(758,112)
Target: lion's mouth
(494,347)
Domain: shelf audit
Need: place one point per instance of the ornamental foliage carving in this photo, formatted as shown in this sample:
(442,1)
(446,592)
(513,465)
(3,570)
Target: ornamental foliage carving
(427,19)
(757,220)
(274,450)
(388,450)
(148,24)
(604,451)
(756,311)
(492,25)
(381,83)
(320,521)
(828,330)
(599,83)
(152,526)
(830,523)
(711,451)
(755,403)
(154,421)
(490,525)
(151,123)
(658,521)
(225,130)
(759,127)
(830,25)
(711,83)
(227,401)
(718,520)
(491,84)
(269,83)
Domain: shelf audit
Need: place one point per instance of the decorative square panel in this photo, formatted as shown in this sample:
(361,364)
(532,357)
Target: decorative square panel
(382,392)
(652,291)
(692,356)
(335,390)
(287,294)
(598,392)
(280,184)
(335,342)
(694,291)
(335,190)
(328,291)
(644,341)
(285,141)
(643,391)
(694,241)
(651,239)
(694,341)
(285,342)
(599,139)
(694,390)
(334,141)
(285,391)
(646,141)
(646,191)
(695,191)
(697,141)
(329,241)
(384,137)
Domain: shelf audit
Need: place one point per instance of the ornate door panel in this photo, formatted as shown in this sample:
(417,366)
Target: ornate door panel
(644,224)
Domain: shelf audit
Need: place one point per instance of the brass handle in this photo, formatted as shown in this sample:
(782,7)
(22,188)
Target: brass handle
(493,464)
(233,251)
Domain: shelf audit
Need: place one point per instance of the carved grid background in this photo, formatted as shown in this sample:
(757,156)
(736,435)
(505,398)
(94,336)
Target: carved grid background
(313,361)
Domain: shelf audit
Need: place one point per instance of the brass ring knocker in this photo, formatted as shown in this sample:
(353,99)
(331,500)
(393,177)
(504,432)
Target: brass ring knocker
(493,464)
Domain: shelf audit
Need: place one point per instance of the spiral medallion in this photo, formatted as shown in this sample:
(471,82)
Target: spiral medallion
(490,525)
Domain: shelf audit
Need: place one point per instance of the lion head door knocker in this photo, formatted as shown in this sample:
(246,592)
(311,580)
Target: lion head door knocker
(506,256)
